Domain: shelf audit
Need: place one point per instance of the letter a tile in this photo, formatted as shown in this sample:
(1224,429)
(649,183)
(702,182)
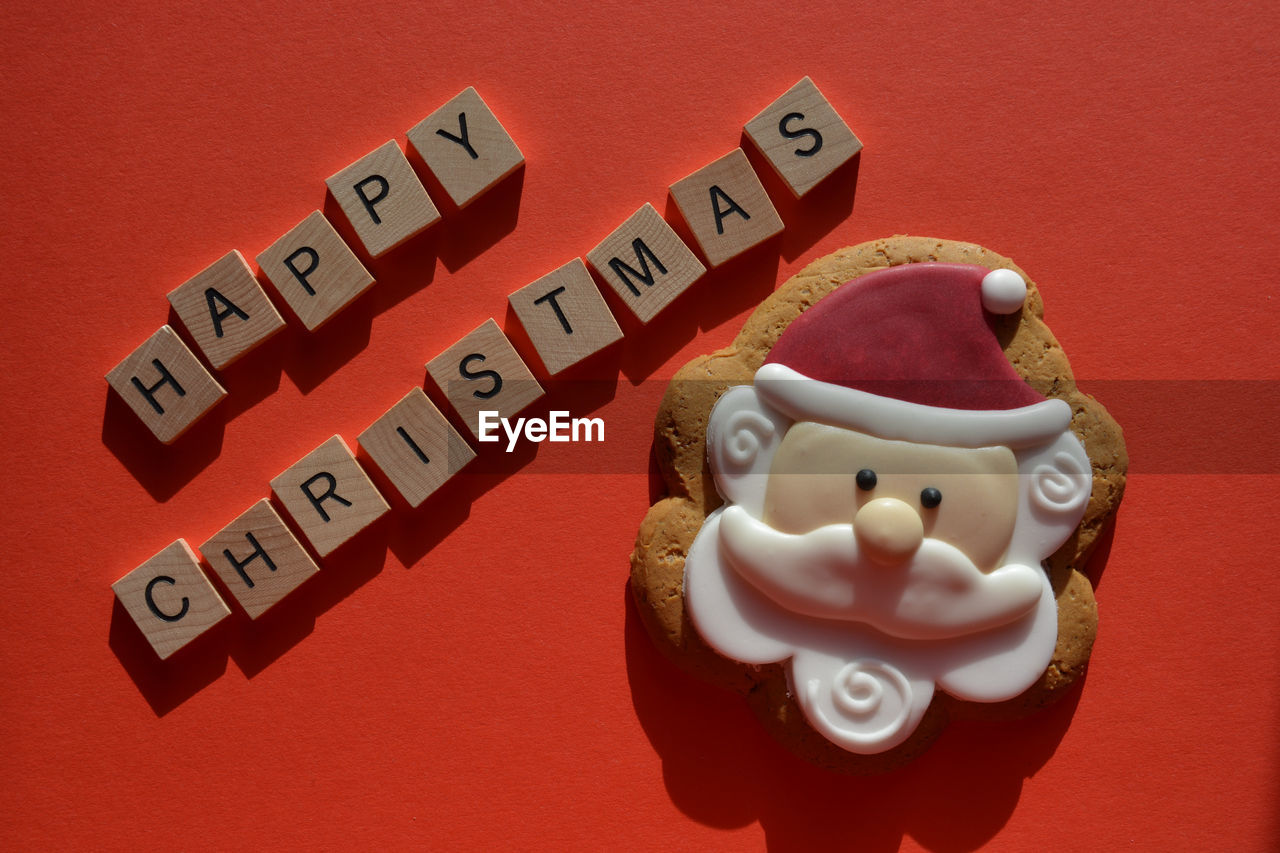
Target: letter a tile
(165,385)
(646,263)
(803,137)
(258,558)
(726,207)
(465,147)
(565,316)
(171,599)
(329,495)
(483,372)
(383,199)
(226,310)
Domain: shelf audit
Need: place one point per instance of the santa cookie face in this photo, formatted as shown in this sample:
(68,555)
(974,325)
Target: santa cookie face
(885,514)
(903,537)
(895,493)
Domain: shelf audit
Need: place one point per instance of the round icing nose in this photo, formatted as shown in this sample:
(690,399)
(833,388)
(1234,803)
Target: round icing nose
(888,530)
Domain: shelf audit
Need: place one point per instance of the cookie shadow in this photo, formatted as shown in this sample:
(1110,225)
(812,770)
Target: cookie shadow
(723,770)
(1101,554)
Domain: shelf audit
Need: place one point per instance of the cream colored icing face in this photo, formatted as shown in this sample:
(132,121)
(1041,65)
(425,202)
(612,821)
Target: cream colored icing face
(813,482)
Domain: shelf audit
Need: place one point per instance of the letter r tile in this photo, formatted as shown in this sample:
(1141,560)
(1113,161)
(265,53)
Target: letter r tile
(383,199)
(170,599)
(646,263)
(726,207)
(258,558)
(166,385)
(226,310)
(329,495)
(803,137)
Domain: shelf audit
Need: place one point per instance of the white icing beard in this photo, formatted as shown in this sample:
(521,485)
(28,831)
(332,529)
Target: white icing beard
(936,593)
(861,687)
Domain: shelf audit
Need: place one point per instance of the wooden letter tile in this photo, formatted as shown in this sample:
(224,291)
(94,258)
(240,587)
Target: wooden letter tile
(803,137)
(225,310)
(646,263)
(465,147)
(329,495)
(416,447)
(565,316)
(726,207)
(171,599)
(314,270)
(258,558)
(383,199)
(165,385)
(483,372)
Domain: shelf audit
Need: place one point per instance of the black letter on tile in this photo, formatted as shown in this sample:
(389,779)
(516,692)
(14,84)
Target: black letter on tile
(384,189)
(211,297)
(238,565)
(151,602)
(301,275)
(463,140)
(413,445)
(466,373)
(716,195)
(330,492)
(625,272)
(796,134)
(555,306)
(166,378)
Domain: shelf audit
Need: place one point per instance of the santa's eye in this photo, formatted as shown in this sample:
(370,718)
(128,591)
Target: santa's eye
(930,497)
(866,479)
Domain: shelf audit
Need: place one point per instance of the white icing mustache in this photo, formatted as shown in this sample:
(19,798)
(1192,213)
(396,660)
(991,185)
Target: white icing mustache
(937,593)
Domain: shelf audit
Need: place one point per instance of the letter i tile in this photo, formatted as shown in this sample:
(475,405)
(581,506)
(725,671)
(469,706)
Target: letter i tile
(416,447)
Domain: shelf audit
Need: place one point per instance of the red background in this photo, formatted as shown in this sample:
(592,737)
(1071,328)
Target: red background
(472,674)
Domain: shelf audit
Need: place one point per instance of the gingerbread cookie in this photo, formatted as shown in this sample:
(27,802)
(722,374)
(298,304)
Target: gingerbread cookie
(880,499)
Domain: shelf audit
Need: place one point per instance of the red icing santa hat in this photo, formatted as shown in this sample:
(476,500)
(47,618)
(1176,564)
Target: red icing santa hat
(910,353)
